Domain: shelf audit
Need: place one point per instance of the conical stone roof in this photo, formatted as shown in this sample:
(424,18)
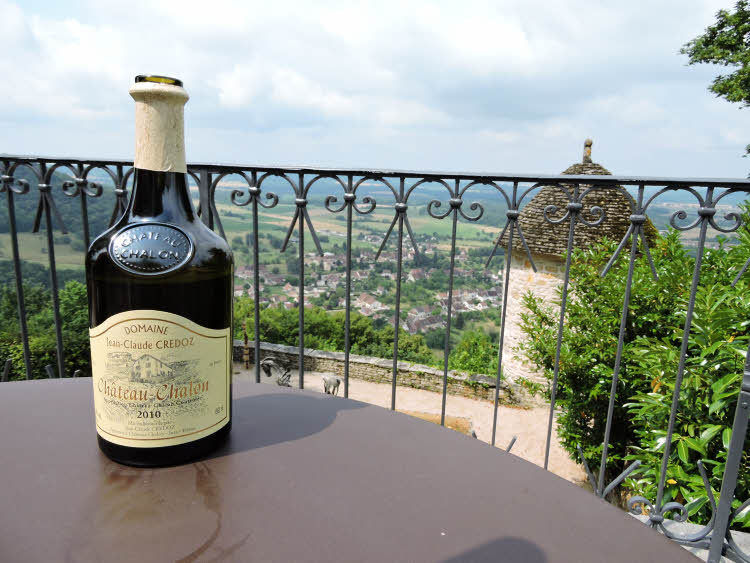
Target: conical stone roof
(552,239)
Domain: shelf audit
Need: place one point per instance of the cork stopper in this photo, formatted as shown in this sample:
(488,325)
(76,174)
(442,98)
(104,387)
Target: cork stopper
(159,123)
(587,151)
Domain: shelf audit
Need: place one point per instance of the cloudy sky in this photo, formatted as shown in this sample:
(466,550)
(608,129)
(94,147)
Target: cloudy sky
(504,85)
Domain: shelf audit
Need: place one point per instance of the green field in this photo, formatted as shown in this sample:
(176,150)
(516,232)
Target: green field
(33,248)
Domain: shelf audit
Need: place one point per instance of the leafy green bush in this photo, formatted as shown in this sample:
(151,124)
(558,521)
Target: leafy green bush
(325,331)
(590,337)
(476,353)
(41,327)
(708,395)
(651,352)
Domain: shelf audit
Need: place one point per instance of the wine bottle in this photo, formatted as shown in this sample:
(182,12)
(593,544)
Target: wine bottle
(160,304)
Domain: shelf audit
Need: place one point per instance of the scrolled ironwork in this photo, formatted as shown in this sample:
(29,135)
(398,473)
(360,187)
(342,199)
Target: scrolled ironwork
(552,210)
(736,550)
(473,206)
(350,199)
(455,203)
(682,215)
(598,485)
(82,188)
(197,179)
(26,166)
(367,200)
(77,186)
(677,512)
(433,214)
(121,193)
(640,506)
(330,200)
(16,185)
(236,194)
(121,205)
(596,211)
(127,178)
(49,174)
(106,169)
(46,201)
(400,206)
(636,231)
(572,208)
(253,194)
(301,215)
(512,215)
(733,217)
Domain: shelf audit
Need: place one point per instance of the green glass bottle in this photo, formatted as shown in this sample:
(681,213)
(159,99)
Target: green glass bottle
(160,304)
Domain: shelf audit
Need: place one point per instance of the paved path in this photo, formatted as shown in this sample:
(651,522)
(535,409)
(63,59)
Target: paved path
(529,425)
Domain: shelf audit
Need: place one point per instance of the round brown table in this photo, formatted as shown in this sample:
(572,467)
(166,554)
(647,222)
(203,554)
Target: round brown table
(304,477)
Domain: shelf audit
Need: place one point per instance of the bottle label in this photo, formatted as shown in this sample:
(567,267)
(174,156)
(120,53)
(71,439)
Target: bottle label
(151,248)
(159,379)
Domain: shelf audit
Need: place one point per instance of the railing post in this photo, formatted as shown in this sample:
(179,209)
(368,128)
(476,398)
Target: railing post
(401,213)
(301,202)
(245,347)
(81,183)
(731,470)
(46,207)
(121,194)
(349,199)
(574,208)
(7,184)
(204,192)
(455,203)
(255,194)
(511,215)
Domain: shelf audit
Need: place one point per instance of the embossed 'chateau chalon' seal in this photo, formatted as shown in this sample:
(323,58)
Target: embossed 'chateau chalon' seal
(152,248)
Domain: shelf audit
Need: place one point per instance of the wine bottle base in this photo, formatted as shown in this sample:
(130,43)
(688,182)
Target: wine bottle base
(166,456)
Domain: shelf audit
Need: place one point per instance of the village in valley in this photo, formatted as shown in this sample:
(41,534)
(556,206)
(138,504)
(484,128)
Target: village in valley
(373,282)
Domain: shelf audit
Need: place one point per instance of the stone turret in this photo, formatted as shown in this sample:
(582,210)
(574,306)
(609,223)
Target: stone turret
(548,244)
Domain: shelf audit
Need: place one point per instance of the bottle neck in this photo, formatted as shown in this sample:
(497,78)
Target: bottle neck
(160,196)
(160,186)
(159,127)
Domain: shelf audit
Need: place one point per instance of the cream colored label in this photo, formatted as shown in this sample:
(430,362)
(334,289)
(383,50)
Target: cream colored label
(159,379)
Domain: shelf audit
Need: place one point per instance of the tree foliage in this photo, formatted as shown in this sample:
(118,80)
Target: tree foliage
(41,327)
(590,339)
(476,353)
(726,43)
(325,331)
(651,351)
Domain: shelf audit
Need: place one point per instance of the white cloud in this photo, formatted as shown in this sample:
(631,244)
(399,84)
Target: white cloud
(239,86)
(478,84)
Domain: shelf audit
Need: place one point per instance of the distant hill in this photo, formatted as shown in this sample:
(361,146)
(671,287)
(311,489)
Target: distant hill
(99,209)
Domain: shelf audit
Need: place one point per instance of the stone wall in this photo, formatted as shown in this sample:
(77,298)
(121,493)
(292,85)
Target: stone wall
(378,370)
(544,283)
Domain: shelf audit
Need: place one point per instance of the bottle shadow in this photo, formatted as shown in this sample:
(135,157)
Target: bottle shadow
(508,550)
(264,420)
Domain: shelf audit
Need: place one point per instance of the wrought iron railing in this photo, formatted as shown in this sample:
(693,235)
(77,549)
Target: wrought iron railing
(39,173)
